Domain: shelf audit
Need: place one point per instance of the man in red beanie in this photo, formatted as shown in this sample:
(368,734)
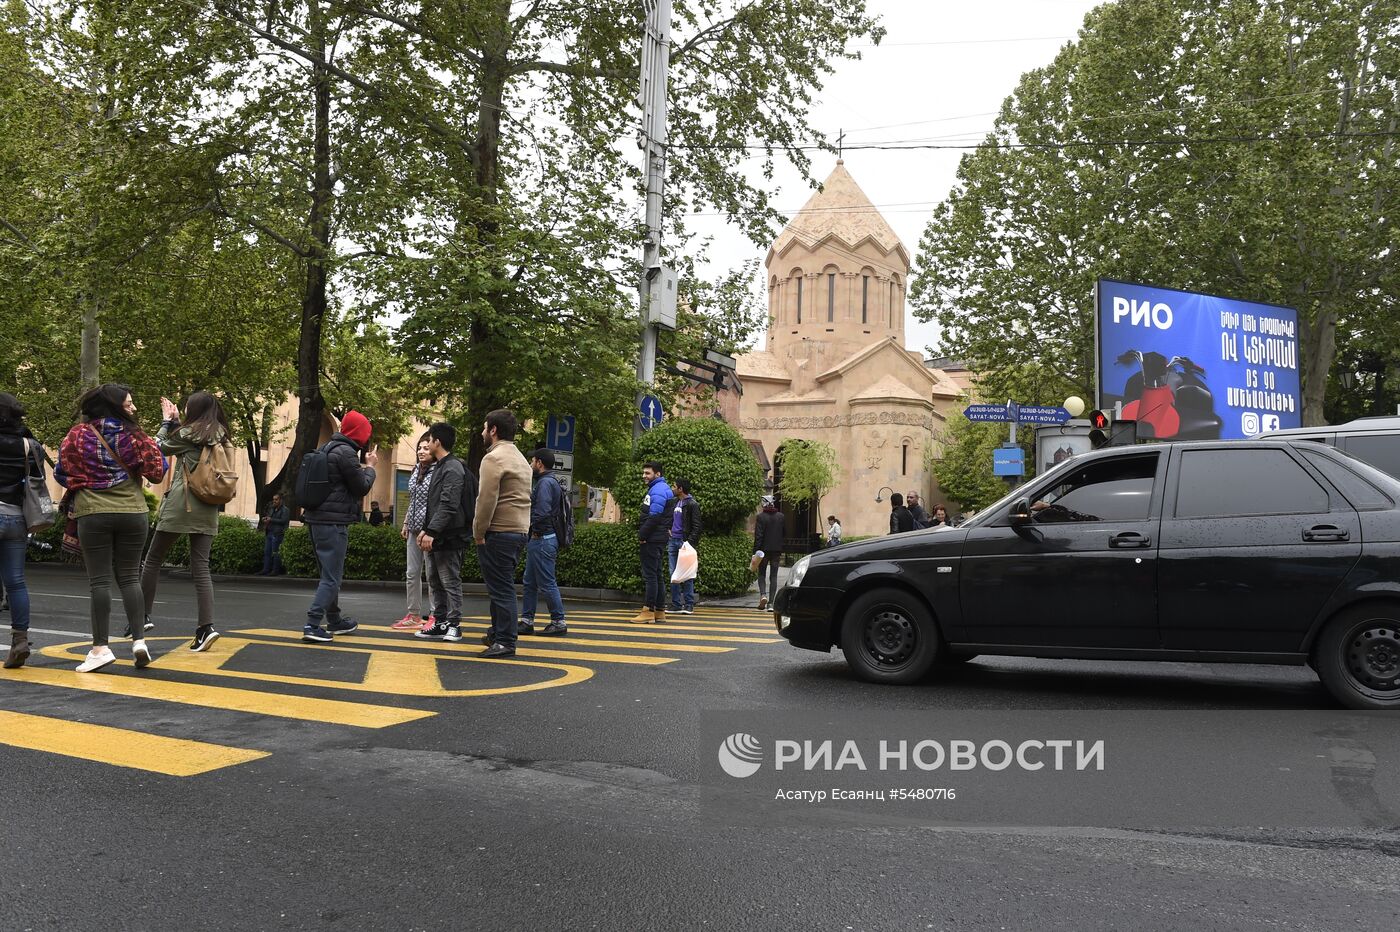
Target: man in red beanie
(330,491)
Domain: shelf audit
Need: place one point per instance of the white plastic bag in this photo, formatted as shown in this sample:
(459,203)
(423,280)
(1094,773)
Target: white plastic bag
(687,564)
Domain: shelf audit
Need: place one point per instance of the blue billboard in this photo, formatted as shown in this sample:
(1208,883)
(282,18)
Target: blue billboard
(1190,366)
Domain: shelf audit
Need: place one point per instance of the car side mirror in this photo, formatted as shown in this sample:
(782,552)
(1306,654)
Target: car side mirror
(1020,512)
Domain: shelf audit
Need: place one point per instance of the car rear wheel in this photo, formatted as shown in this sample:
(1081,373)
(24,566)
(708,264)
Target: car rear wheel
(1358,657)
(888,637)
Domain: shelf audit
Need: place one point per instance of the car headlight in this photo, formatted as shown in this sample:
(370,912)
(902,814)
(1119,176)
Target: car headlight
(799,570)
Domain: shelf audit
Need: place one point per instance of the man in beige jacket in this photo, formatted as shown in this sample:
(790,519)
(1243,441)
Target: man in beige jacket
(501,527)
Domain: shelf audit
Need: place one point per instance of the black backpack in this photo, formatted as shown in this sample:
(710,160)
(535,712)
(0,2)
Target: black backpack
(314,478)
(564,519)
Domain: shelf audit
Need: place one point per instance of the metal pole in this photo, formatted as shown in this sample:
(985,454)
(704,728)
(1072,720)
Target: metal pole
(656,58)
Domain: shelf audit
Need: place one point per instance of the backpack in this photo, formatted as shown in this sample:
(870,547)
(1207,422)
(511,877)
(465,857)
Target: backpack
(214,480)
(564,519)
(314,478)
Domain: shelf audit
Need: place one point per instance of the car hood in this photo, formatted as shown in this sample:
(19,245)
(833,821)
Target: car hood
(930,543)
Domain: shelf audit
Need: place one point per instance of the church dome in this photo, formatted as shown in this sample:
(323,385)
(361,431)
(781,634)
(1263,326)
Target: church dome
(840,210)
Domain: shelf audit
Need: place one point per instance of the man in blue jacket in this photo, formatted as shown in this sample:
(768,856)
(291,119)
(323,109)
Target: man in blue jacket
(653,533)
(542,550)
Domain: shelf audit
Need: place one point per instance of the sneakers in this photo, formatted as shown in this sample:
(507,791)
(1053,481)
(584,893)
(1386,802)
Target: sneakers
(762,604)
(497,650)
(687,611)
(342,626)
(97,658)
(555,629)
(150,625)
(204,636)
(141,654)
(525,627)
(440,632)
(408,622)
(315,634)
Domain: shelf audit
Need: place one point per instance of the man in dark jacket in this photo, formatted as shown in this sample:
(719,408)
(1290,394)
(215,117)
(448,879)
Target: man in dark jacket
(921,518)
(275,527)
(329,523)
(542,549)
(685,529)
(447,528)
(769,532)
(901,521)
(652,533)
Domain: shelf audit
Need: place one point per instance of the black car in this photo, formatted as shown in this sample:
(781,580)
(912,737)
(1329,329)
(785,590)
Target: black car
(1250,551)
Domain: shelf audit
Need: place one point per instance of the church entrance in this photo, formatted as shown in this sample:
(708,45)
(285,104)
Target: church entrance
(802,520)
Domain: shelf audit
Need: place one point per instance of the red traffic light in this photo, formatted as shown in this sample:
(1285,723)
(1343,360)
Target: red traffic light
(1098,420)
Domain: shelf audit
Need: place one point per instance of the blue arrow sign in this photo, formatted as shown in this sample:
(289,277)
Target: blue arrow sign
(652,412)
(986,413)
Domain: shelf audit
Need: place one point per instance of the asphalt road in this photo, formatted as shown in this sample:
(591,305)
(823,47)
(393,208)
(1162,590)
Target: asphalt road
(386,786)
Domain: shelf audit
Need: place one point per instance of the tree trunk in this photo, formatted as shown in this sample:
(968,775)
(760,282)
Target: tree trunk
(311,404)
(1318,353)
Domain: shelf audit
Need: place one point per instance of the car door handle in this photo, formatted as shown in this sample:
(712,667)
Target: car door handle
(1130,539)
(1322,533)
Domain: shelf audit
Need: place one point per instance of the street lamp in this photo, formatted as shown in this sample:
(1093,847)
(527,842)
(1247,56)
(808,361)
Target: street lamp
(1074,405)
(1347,378)
(883,488)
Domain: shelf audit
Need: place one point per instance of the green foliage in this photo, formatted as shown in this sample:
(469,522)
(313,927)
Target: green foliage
(809,469)
(964,467)
(724,476)
(724,565)
(238,548)
(1221,145)
(605,556)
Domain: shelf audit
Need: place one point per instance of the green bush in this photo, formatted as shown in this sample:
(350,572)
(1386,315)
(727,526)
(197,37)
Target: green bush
(371,553)
(604,556)
(237,550)
(724,476)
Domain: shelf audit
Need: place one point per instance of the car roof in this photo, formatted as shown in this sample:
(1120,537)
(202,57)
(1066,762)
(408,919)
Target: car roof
(1384,423)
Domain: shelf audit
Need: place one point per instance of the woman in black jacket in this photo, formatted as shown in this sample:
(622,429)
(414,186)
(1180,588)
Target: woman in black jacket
(768,534)
(21,461)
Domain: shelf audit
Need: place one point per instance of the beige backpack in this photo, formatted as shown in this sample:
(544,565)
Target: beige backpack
(214,480)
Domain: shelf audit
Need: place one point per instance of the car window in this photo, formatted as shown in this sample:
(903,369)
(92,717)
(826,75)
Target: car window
(1380,450)
(1116,489)
(1240,481)
(1357,490)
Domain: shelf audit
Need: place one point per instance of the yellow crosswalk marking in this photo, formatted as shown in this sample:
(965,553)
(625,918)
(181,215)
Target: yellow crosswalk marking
(672,618)
(407,639)
(623,629)
(330,711)
(120,747)
(412,643)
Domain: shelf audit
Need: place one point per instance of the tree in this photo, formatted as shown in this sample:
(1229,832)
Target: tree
(725,478)
(810,469)
(963,467)
(1231,147)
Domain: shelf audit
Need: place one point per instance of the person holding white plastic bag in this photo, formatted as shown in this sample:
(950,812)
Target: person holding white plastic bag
(685,530)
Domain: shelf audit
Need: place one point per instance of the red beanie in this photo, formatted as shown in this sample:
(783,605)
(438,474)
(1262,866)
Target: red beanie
(356,426)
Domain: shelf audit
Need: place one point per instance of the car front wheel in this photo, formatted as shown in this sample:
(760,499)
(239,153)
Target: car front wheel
(888,637)
(1358,657)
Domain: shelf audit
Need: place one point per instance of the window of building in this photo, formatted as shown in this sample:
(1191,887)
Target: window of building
(865,299)
(904,461)
(830,296)
(891,305)
(1230,483)
(799,300)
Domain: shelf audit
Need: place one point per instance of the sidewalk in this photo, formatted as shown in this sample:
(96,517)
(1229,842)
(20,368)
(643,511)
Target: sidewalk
(750,598)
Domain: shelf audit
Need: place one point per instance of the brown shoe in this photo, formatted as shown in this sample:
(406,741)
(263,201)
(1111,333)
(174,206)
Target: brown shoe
(19,650)
(645,617)
(660,615)
(762,605)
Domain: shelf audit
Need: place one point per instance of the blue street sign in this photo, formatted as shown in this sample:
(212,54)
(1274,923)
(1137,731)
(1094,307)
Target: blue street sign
(1013,410)
(559,435)
(1008,461)
(652,412)
(1043,414)
(986,413)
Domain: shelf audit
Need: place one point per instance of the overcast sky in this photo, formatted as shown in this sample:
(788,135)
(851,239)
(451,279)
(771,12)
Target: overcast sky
(939,76)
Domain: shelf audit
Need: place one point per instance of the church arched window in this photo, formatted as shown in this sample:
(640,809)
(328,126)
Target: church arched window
(830,273)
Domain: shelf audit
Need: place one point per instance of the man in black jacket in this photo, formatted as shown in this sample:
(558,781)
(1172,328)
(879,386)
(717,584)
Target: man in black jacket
(447,528)
(329,523)
(685,529)
(769,532)
(901,521)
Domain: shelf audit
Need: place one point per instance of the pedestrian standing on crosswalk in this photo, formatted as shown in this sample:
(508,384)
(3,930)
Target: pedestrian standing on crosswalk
(101,463)
(653,531)
(182,512)
(21,463)
(447,520)
(542,551)
(502,521)
(415,560)
(330,486)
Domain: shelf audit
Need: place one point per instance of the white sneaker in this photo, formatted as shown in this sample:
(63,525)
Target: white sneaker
(140,654)
(97,658)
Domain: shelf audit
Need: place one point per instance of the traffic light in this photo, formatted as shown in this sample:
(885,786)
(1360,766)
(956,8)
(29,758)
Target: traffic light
(1100,430)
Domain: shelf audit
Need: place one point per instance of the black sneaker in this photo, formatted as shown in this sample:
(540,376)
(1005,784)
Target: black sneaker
(439,632)
(525,627)
(342,626)
(486,639)
(555,629)
(498,650)
(150,625)
(204,636)
(316,634)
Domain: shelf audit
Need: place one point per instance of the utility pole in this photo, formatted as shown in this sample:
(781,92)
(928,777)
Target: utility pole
(656,60)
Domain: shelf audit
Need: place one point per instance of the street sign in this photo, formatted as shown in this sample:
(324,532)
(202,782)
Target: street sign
(564,461)
(986,413)
(559,435)
(1043,414)
(651,411)
(1024,414)
(1008,461)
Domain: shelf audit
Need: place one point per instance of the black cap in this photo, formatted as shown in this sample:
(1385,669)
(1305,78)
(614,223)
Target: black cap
(544,456)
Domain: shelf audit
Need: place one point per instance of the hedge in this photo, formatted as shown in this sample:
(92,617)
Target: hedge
(237,549)
(724,476)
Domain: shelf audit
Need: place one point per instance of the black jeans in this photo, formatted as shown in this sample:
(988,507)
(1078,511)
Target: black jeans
(653,559)
(498,558)
(112,545)
(769,567)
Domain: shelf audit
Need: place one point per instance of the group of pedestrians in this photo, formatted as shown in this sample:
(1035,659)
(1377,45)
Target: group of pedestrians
(912,517)
(670,519)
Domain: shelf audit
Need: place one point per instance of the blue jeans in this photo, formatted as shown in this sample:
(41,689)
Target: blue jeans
(272,556)
(541,555)
(652,557)
(497,559)
(14,538)
(680,590)
(330,541)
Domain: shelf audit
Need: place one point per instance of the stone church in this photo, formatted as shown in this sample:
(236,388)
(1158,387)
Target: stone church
(834,367)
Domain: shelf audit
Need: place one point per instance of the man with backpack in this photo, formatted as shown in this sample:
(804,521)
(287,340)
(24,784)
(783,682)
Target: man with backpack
(447,524)
(330,486)
(551,530)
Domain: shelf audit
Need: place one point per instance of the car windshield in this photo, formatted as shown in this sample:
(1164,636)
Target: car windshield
(1019,492)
